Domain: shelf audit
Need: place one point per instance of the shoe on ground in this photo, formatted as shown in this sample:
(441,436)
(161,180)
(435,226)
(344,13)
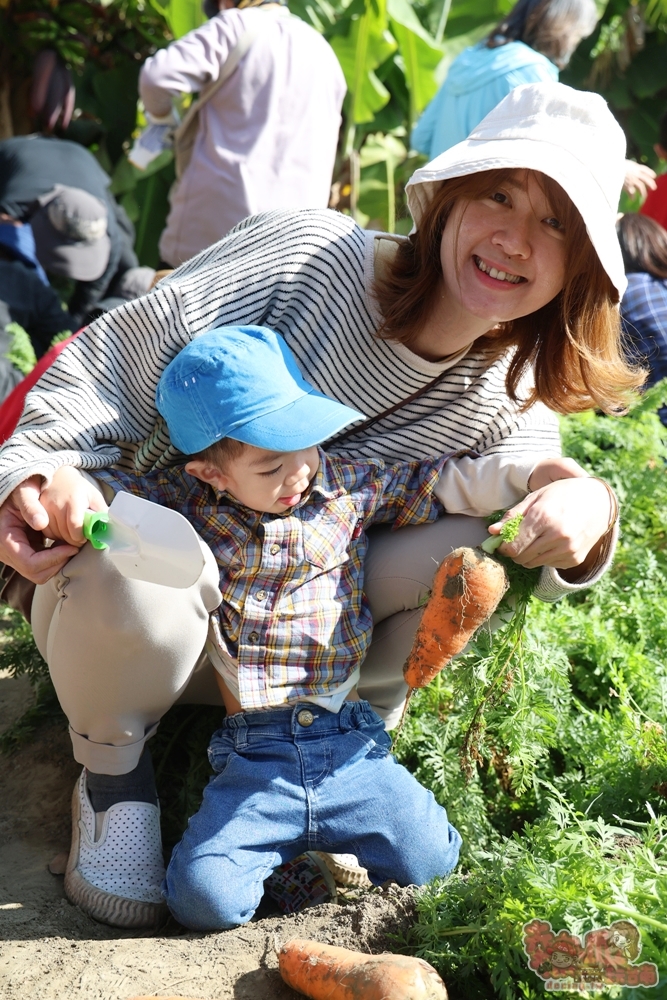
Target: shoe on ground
(116,878)
(346,870)
(305,881)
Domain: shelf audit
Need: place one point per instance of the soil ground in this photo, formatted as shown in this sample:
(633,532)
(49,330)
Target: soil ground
(49,949)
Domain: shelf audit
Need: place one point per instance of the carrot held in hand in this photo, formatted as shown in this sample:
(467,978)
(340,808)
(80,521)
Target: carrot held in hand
(323,972)
(467,589)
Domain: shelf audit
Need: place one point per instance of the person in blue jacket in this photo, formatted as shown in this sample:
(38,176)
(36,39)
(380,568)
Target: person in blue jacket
(531,45)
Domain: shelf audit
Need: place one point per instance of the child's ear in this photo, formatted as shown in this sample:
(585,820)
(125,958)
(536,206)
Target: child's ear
(207,473)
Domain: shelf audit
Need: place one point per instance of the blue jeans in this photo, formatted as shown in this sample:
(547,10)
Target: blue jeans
(282,788)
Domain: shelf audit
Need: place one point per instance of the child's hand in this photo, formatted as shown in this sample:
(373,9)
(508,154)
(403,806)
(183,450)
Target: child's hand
(66,500)
(549,470)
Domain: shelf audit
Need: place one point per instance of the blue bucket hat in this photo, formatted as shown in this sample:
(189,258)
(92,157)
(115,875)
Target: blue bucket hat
(242,382)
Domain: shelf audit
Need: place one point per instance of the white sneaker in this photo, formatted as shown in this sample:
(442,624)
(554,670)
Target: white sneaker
(116,878)
(346,869)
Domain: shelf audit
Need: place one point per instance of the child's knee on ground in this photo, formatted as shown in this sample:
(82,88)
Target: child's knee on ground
(201,897)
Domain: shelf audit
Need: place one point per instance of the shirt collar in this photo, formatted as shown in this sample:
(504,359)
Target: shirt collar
(325,483)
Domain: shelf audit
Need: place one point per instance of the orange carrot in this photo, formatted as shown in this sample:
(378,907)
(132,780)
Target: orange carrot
(323,972)
(467,589)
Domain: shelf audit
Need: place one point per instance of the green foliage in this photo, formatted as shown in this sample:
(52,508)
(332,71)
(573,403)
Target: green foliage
(510,528)
(365,44)
(144,196)
(508,533)
(21,353)
(570,769)
(106,34)
(181,15)
(19,657)
(575,872)
(421,55)
(625,60)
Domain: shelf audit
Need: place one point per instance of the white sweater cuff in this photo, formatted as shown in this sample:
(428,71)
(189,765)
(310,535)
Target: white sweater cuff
(551,585)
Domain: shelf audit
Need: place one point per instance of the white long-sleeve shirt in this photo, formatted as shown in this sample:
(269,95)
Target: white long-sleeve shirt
(266,139)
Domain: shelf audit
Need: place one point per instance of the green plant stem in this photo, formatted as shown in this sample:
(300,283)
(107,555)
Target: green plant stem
(391,194)
(624,911)
(452,931)
(442,23)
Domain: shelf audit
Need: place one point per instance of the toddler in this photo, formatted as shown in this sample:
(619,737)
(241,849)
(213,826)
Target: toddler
(301,764)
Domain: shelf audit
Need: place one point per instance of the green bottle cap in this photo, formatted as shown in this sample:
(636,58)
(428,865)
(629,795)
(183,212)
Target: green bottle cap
(95,527)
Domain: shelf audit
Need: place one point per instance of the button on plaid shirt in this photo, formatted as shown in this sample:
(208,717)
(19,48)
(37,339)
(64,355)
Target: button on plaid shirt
(293,611)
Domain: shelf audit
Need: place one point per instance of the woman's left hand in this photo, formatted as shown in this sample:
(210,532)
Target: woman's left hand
(561,527)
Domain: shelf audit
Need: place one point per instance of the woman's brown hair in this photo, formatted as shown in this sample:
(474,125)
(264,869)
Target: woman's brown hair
(643,245)
(573,343)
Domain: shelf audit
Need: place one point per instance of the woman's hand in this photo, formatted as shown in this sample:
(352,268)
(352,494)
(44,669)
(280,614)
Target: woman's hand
(639,178)
(65,501)
(563,522)
(22,520)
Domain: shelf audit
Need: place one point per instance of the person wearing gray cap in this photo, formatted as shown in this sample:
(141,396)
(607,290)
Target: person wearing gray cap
(80,231)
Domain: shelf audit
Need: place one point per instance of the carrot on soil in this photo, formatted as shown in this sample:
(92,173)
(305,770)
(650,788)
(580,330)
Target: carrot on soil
(324,972)
(467,589)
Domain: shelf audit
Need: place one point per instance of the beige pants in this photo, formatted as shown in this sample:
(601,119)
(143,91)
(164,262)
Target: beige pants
(122,652)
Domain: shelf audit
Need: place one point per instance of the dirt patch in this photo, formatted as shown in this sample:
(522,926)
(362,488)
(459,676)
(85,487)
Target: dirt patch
(49,949)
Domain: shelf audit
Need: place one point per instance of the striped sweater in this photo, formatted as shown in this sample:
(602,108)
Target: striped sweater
(308,275)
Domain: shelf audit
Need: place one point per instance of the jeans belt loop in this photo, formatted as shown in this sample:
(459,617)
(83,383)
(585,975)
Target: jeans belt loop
(241,734)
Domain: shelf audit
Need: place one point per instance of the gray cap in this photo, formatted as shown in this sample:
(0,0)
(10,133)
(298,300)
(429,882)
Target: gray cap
(70,229)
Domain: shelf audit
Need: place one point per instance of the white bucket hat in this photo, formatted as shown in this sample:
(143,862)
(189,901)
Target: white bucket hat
(569,135)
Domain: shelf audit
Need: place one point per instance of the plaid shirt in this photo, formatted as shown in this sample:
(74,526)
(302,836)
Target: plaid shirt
(293,611)
(644,314)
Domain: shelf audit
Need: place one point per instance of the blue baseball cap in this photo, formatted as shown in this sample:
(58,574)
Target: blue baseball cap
(242,382)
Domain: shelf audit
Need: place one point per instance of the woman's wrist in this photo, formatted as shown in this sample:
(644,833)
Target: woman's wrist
(585,569)
(599,552)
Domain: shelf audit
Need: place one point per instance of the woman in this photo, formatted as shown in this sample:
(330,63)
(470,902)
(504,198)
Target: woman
(434,337)
(532,44)
(644,306)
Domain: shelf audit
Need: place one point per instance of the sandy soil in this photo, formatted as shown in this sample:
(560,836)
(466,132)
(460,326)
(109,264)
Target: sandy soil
(49,950)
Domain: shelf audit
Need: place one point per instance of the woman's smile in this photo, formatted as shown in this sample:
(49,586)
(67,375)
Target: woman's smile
(495,273)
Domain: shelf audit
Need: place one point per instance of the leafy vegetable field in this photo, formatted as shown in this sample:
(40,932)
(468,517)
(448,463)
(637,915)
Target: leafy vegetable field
(554,766)
(546,744)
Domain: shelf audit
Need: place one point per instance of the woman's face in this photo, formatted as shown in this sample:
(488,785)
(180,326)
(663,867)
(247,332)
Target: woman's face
(503,256)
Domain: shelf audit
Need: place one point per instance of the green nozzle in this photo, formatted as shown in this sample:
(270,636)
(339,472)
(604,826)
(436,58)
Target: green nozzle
(95,527)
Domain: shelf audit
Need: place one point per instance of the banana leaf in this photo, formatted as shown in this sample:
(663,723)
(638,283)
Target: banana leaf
(181,15)
(366,45)
(420,54)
